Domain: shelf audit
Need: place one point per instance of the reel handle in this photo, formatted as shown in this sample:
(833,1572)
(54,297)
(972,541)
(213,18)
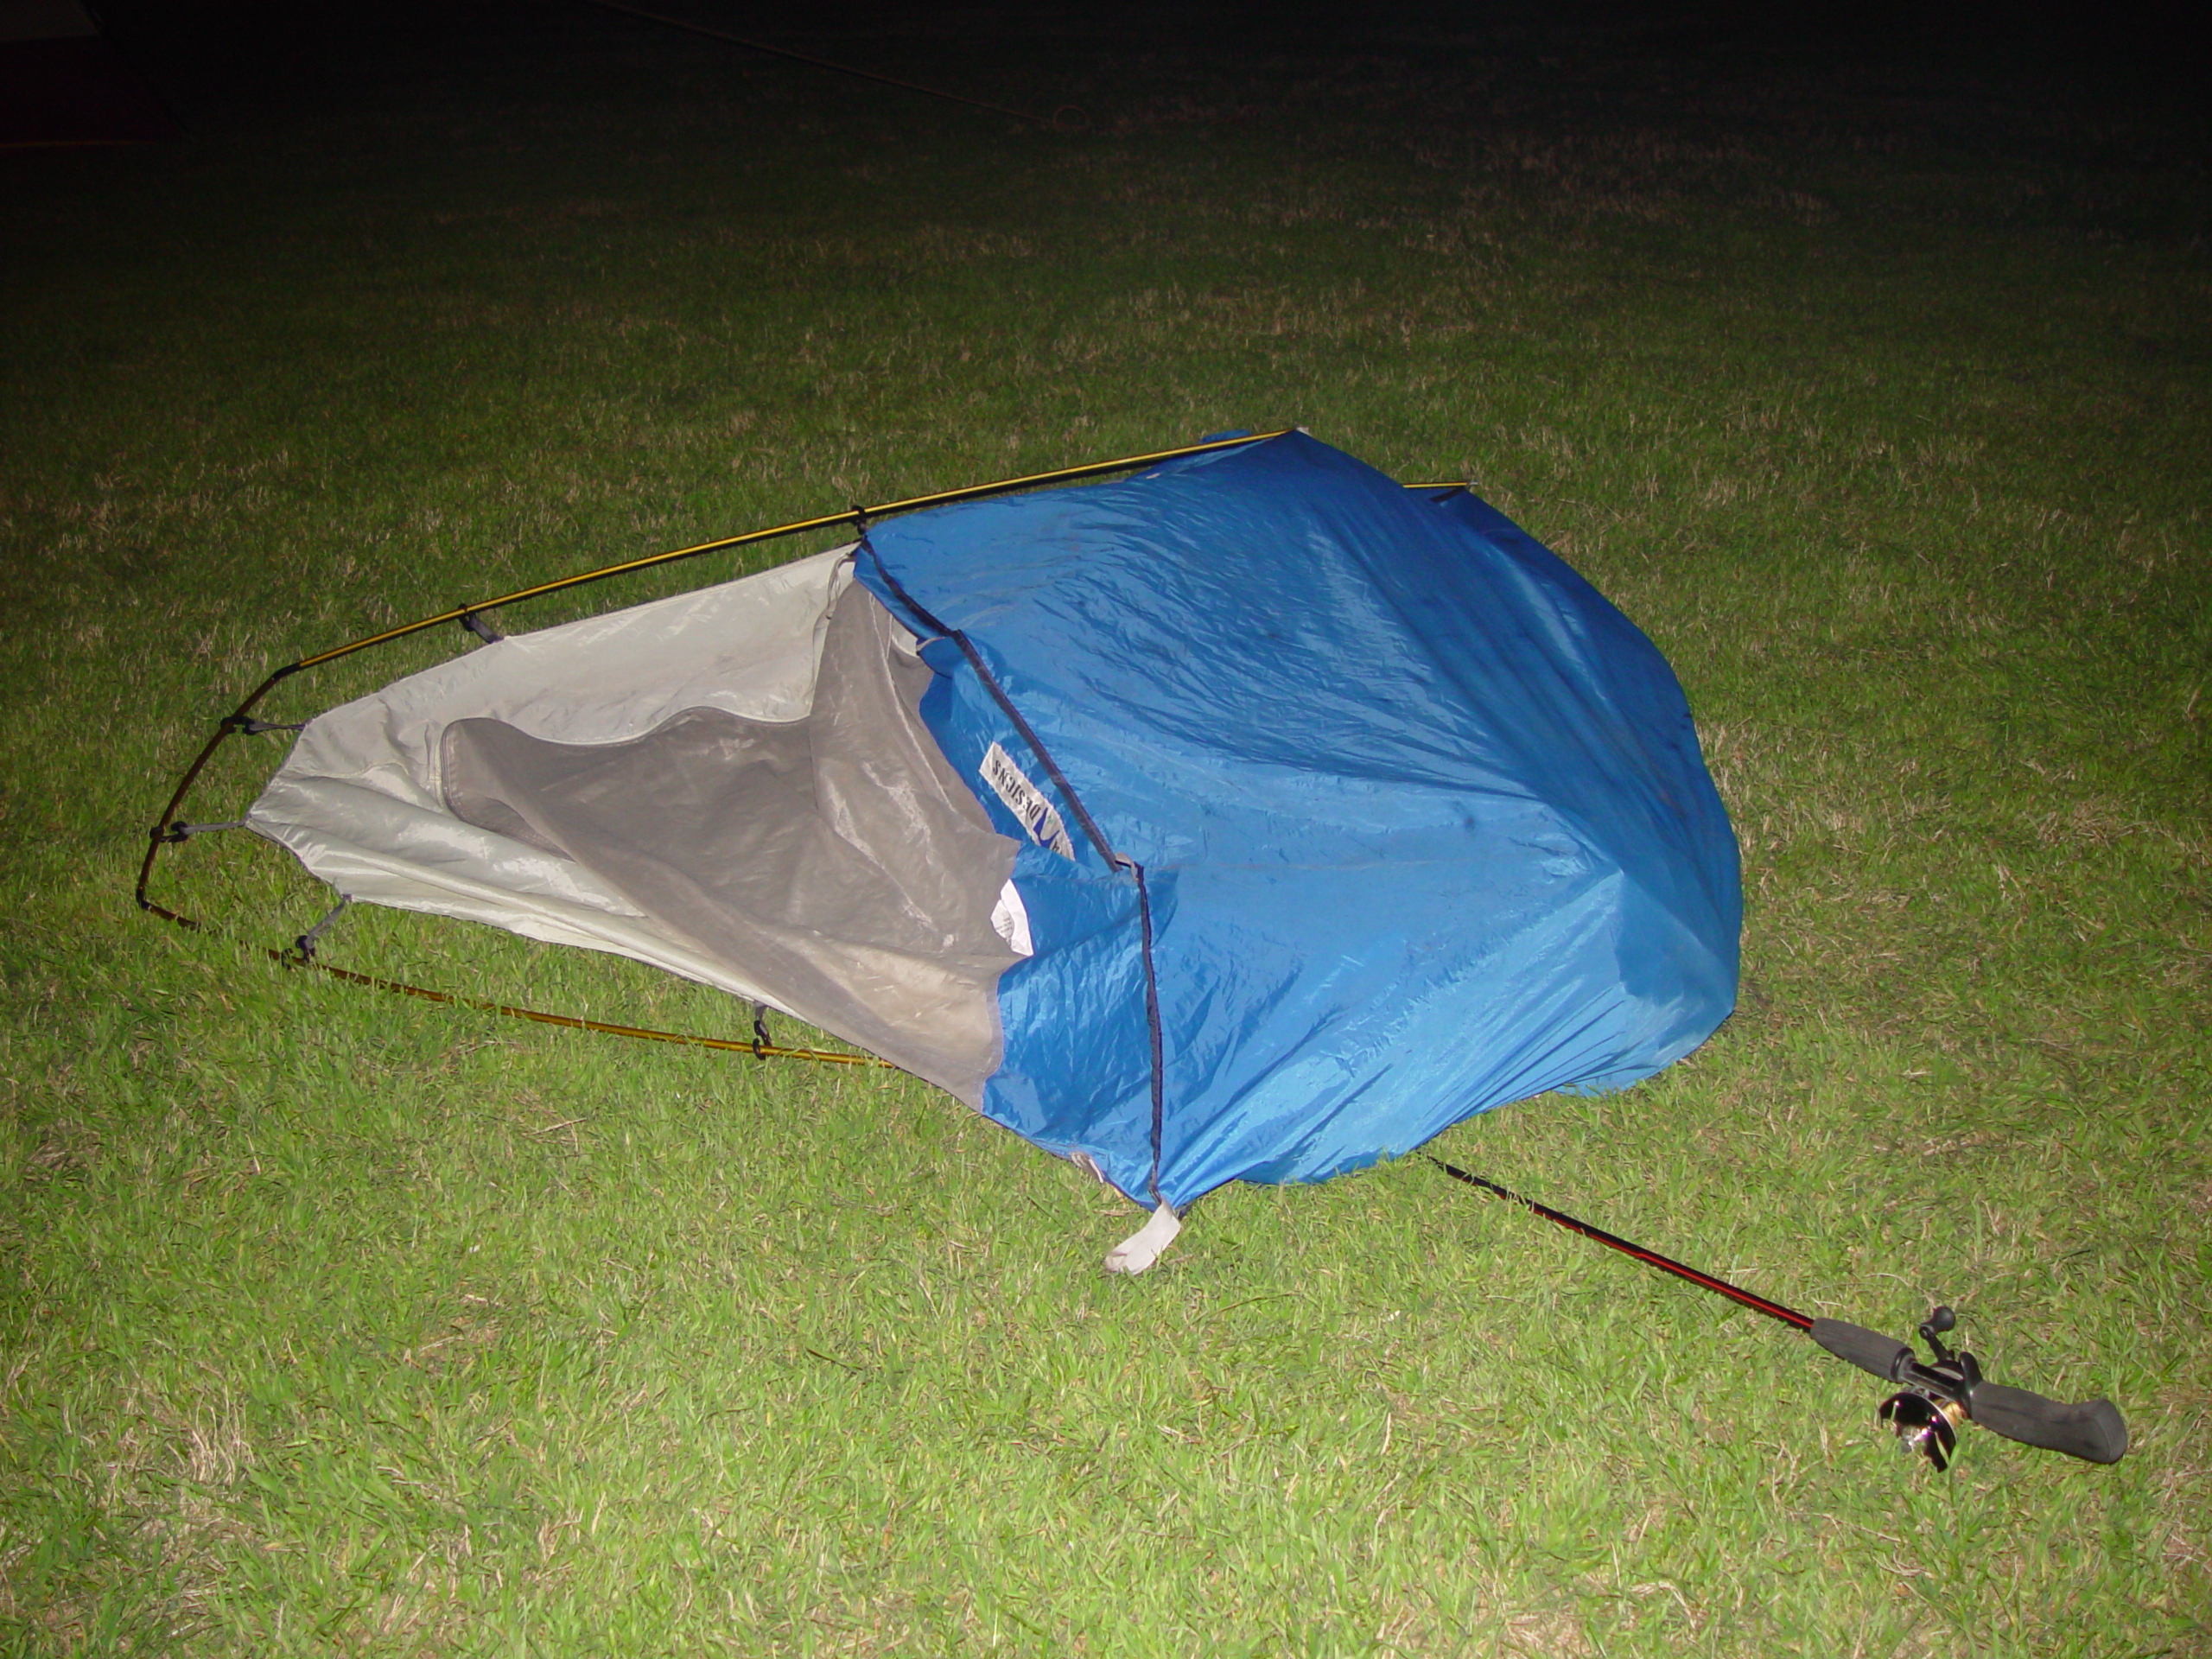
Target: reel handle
(2093,1431)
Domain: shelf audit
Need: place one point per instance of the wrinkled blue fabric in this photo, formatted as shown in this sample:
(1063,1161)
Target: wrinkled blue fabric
(1422,816)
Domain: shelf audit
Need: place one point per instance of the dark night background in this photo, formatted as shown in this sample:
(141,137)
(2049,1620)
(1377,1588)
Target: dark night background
(253,63)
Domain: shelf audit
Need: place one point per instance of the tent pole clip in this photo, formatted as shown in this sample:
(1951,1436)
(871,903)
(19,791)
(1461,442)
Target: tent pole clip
(247,726)
(176,830)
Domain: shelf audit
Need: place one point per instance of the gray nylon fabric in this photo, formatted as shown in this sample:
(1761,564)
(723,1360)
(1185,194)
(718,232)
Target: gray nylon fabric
(837,860)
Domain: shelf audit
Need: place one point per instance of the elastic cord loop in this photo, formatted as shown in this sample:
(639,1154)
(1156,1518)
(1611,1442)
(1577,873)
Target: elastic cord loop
(306,943)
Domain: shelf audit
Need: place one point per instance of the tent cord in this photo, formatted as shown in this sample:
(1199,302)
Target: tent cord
(1152,1031)
(306,943)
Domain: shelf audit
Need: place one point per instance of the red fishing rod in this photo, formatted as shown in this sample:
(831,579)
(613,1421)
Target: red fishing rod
(1932,1400)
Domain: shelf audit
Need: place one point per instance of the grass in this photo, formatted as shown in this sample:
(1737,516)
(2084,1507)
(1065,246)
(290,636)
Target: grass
(334,1323)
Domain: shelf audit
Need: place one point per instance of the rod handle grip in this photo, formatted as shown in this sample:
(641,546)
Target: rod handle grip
(2092,1430)
(1870,1350)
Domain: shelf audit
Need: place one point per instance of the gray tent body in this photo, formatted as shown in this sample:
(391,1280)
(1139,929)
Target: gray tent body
(732,784)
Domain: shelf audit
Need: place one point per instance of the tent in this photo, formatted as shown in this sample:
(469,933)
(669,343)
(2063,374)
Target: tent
(1250,818)
(63,81)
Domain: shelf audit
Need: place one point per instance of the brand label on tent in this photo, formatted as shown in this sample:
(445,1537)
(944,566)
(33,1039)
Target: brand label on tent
(1026,802)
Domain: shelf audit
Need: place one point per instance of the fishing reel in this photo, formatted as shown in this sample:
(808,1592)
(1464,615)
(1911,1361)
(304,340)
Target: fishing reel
(1926,1413)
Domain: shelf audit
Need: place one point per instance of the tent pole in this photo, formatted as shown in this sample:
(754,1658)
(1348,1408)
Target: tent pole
(938,498)
(167,828)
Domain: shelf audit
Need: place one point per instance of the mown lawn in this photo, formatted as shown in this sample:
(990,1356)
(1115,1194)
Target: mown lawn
(1875,390)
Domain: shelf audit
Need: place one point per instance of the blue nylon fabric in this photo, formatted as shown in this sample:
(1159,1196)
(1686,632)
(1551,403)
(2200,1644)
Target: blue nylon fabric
(1423,817)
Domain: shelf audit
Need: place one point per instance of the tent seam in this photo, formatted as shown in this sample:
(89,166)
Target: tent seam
(1090,829)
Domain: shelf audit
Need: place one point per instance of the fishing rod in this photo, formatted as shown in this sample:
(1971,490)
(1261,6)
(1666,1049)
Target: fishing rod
(1933,1400)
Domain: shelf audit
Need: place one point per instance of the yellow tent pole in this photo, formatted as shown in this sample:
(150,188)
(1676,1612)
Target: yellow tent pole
(851,515)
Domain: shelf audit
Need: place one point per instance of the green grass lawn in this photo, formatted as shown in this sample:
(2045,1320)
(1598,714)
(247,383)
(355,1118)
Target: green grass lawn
(1875,392)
